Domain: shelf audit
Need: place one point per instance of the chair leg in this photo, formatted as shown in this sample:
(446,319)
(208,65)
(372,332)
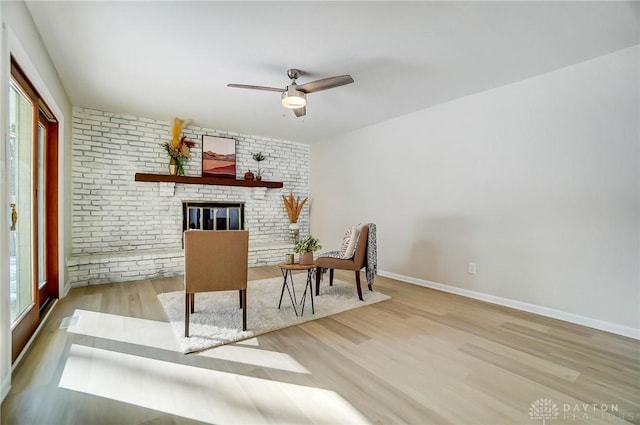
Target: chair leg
(243,301)
(240,294)
(330,277)
(193,302)
(358,285)
(187,305)
(318,277)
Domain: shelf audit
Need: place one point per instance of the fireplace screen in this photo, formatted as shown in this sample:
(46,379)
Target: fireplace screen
(212,215)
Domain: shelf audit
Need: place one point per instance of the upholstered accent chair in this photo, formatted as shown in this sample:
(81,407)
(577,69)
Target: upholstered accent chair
(215,261)
(355,263)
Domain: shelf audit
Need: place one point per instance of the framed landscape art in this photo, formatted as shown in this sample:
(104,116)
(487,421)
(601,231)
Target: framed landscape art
(218,157)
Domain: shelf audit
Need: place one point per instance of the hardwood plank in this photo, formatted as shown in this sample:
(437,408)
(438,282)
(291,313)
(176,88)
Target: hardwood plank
(424,357)
(343,330)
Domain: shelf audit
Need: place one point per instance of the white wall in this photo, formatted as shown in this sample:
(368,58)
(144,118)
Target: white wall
(536,182)
(20,38)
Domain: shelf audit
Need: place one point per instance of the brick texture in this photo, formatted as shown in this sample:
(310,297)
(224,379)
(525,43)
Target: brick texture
(125,230)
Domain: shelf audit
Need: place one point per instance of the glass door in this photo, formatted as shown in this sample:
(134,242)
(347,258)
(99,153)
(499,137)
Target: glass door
(33,208)
(21,258)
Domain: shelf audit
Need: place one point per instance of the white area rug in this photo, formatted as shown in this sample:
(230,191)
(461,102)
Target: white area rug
(217,320)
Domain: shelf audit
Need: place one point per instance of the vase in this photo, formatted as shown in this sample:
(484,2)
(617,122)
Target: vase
(306,258)
(173,166)
(180,160)
(294,231)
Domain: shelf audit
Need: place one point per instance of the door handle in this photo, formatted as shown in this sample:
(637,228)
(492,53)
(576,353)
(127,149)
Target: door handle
(14,217)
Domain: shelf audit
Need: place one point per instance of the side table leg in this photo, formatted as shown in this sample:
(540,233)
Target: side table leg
(287,273)
(308,288)
(310,276)
(293,287)
(284,283)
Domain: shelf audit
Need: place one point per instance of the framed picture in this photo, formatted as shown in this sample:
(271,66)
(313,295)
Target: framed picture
(218,157)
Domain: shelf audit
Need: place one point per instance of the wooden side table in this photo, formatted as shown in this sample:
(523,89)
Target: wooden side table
(287,270)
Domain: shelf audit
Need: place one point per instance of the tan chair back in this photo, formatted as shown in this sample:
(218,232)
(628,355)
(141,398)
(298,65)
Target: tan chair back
(215,260)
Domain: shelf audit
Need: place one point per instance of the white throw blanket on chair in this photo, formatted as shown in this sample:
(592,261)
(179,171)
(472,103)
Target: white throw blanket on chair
(371,267)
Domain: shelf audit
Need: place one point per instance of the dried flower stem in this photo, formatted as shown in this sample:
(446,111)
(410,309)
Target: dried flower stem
(293,207)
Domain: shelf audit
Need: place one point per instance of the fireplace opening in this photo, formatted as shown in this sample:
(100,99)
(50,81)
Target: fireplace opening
(207,215)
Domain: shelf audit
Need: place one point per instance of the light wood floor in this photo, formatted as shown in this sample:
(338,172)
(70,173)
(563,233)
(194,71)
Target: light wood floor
(423,357)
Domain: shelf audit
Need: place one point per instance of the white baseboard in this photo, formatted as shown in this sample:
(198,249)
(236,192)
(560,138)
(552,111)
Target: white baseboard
(6,383)
(33,337)
(519,305)
(6,386)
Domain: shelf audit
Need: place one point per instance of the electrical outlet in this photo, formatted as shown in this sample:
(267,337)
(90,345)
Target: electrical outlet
(472,268)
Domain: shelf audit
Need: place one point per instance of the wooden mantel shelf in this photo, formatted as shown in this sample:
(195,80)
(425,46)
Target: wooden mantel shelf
(143,177)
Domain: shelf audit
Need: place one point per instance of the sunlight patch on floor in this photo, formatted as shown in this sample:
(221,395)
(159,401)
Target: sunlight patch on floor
(257,357)
(200,394)
(149,333)
(160,335)
(251,342)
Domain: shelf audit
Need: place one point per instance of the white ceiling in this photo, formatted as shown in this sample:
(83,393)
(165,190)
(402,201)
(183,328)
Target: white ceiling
(174,58)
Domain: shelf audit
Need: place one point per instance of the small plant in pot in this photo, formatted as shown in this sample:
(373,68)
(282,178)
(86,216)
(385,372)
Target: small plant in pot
(306,247)
(258,157)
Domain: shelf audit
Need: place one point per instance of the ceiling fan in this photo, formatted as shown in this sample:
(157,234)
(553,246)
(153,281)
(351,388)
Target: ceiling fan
(294,95)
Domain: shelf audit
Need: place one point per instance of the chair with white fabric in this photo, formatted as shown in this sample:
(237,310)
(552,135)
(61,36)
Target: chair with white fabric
(357,251)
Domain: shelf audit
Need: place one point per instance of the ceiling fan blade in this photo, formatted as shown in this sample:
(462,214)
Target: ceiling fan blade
(264,88)
(325,83)
(300,112)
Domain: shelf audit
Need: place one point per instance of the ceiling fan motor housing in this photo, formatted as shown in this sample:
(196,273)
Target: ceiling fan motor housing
(293,73)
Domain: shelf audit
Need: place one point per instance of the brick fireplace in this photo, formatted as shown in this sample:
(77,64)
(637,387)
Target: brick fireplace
(126,230)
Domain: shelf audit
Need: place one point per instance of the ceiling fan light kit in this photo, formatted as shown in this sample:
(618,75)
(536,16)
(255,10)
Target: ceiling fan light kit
(294,97)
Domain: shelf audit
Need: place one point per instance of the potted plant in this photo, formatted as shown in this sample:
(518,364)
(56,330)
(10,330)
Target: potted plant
(178,148)
(306,247)
(258,157)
